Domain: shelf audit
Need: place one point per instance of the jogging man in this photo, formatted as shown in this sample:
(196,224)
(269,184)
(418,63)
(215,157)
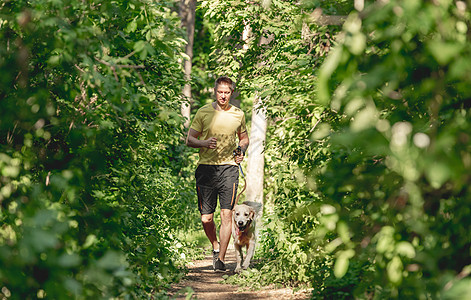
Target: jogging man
(215,130)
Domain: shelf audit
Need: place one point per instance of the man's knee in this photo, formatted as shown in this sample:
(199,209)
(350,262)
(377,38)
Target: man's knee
(226,216)
(207,219)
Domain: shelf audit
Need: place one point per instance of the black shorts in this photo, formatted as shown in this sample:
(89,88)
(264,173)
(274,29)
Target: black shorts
(213,181)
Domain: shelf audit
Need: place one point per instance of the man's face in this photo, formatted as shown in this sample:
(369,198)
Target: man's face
(223,94)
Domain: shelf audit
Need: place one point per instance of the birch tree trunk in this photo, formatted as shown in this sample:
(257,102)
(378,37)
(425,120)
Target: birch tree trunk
(318,17)
(255,155)
(258,132)
(187,14)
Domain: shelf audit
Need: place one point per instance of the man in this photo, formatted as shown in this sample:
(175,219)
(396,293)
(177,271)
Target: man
(215,130)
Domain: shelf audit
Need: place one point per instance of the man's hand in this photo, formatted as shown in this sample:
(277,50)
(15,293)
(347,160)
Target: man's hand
(238,155)
(193,141)
(211,143)
(243,145)
(239,158)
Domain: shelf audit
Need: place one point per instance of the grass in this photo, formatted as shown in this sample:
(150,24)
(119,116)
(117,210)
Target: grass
(195,241)
(196,237)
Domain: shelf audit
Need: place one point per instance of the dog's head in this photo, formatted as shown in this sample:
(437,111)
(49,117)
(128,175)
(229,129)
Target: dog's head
(243,215)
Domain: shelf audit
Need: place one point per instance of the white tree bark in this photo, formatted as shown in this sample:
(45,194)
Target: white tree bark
(321,19)
(258,132)
(187,14)
(255,154)
(359,4)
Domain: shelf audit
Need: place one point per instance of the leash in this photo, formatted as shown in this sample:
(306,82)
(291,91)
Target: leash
(237,152)
(242,172)
(245,185)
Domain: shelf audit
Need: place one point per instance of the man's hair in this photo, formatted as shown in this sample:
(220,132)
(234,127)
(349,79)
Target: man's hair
(226,80)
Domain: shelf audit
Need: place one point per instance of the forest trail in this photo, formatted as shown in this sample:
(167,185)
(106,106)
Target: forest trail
(206,284)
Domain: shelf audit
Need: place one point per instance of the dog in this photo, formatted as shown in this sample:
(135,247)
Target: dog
(243,232)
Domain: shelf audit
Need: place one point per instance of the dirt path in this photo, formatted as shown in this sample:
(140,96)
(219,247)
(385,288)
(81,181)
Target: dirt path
(207,285)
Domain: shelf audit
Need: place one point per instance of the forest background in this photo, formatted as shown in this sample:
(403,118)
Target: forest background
(367,151)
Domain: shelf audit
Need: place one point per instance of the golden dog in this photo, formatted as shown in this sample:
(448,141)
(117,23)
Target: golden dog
(243,232)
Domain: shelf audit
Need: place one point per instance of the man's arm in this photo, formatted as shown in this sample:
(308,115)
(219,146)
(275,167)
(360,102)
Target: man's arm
(193,141)
(244,144)
(243,140)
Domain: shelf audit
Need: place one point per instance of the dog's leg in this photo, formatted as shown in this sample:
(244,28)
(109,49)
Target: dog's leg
(248,257)
(239,258)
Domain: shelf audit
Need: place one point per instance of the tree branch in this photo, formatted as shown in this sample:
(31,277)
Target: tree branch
(317,17)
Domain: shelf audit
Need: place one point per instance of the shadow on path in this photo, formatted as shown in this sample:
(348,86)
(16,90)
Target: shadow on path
(207,284)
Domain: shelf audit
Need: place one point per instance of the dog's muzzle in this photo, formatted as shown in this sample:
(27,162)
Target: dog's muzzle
(241,225)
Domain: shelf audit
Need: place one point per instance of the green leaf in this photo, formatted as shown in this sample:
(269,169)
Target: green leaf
(325,72)
(357,43)
(139,46)
(444,52)
(394,270)
(385,240)
(342,262)
(406,249)
(90,240)
(343,231)
(437,173)
(54,60)
(364,119)
(132,26)
(69,260)
(111,260)
(42,240)
(73,286)
(322,131)
(459,290)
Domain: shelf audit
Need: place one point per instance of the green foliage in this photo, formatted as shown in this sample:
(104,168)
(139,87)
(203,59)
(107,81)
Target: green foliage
(399,172)
(279,64)
(202,64)
(367,159)
(93,183)
(368,154)
(354,283)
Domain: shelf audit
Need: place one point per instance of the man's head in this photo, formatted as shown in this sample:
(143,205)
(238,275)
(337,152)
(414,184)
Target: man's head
(223,89)
(226,81)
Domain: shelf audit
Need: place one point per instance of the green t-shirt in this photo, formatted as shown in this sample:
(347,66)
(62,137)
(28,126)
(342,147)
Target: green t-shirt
(224,126)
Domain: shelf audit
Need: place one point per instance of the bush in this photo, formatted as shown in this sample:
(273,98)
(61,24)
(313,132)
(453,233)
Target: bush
(92,177)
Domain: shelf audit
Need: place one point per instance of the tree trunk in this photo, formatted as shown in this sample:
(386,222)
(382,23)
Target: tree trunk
(258,132)
(187,14)
(359,4)
(256,159)
(319,18)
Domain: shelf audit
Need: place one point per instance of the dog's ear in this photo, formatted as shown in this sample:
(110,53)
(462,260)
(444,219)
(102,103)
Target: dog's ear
(251,214)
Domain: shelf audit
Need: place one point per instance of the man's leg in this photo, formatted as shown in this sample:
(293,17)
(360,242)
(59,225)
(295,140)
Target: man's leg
(225,231)
(207,202)
(210,229)
(227,196)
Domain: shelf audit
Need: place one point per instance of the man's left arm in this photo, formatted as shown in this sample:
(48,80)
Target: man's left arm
(244,144)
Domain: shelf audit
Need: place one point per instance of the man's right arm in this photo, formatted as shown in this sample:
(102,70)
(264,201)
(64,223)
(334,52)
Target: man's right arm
(193,141)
